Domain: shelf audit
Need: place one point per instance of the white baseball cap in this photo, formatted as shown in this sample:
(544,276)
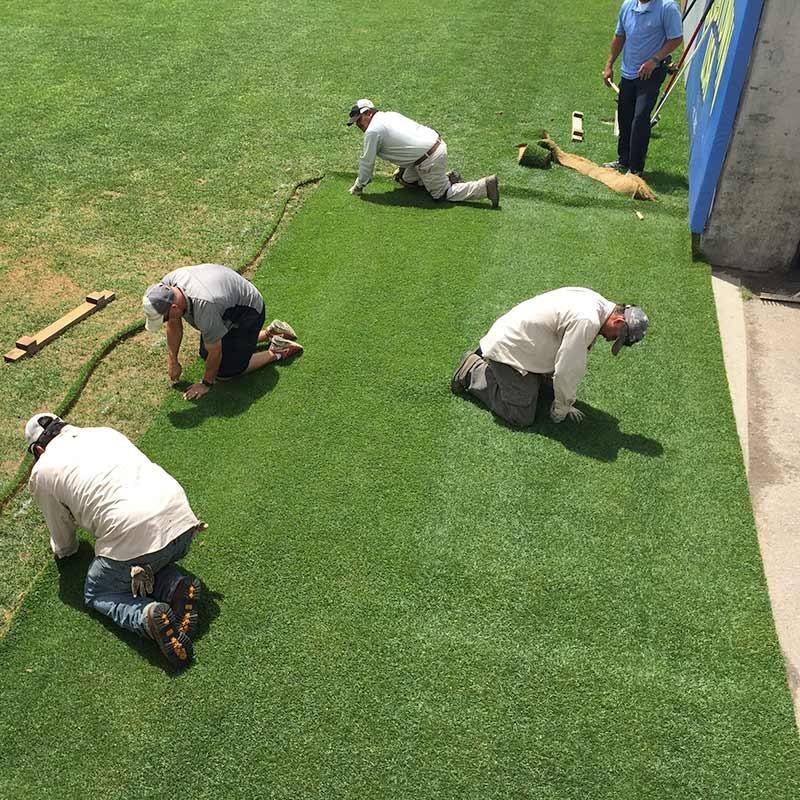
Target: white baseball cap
(359,107)
(37,425)
(156,303)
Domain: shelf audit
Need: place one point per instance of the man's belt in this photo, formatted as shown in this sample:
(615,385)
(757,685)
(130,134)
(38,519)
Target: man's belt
(430,152)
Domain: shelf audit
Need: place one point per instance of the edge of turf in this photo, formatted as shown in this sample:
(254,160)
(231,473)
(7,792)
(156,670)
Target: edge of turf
(17,480)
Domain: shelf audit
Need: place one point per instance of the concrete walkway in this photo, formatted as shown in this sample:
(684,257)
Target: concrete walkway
(761,345)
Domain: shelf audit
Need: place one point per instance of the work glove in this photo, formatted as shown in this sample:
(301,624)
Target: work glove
(142,579)
(559,413)
(356,188)
(575,414)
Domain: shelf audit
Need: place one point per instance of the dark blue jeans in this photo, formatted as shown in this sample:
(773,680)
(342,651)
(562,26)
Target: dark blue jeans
(637,98)
(108,584)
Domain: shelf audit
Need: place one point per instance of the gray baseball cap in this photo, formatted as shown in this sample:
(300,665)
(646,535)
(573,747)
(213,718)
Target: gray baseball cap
(156,303)
(634,330)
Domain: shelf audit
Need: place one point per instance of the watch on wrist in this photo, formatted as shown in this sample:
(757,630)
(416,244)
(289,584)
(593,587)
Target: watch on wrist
(207,384)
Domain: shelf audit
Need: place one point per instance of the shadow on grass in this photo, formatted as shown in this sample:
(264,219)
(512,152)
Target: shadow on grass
(71,577)
(598,436)
(666,182)
(613,201)
(415,198)
(227,399)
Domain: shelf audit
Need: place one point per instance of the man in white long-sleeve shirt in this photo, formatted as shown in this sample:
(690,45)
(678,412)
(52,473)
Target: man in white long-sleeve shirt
(417,151)
(548,336)
(141,521)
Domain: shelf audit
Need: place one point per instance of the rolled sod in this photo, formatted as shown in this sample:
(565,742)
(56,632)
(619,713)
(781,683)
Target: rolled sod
(534,155)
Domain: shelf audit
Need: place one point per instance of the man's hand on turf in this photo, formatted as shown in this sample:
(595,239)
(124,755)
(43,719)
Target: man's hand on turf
(356,189)
(175,370)
(647,69)
(575,414)
(195,391)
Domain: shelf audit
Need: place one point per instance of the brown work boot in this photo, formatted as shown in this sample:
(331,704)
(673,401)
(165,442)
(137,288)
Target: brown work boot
(184,605)
(493,191)
(164,630)
(468,361)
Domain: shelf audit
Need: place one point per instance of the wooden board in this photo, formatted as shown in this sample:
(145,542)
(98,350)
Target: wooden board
(29,345)
(577,126)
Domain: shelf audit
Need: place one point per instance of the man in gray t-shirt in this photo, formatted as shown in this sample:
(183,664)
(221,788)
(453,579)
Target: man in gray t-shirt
(229,313)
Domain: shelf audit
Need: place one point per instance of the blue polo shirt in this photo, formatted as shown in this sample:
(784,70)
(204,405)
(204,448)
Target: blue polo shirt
(646,27)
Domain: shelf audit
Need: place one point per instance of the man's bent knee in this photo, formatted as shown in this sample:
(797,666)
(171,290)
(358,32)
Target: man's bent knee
(520,417)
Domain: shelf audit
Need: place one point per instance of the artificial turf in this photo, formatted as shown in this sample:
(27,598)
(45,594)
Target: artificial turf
(406,598)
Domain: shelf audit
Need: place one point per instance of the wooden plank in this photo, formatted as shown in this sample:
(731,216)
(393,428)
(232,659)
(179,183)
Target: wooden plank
(55,329)
(32,344)
(577,126)
(14,355)
(27,343)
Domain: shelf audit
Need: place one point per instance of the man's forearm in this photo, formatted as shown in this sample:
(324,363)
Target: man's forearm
(617,44)
(668,47)
(213,360)
(174,338)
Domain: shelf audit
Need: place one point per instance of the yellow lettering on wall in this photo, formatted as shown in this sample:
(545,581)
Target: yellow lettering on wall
(719,25)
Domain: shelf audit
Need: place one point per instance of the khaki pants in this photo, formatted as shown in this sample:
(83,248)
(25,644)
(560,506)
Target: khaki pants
(504,391)
(432,173)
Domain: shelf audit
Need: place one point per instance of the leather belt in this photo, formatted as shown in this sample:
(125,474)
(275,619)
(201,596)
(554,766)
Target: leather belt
(430,152)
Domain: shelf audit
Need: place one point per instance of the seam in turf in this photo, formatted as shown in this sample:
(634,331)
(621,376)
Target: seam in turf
(17,481)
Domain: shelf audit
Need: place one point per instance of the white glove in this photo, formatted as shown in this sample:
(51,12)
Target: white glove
(356,188)
(142,579)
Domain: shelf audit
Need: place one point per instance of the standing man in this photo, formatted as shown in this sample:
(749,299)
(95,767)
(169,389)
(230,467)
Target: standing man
(141,521)
(229,313)
(419,153)
(647,32)
(548,336)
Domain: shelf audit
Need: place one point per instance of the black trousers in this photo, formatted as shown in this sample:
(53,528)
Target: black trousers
(637,98)
(239,343)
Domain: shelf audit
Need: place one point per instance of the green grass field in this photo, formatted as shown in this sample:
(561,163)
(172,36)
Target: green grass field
(404,598)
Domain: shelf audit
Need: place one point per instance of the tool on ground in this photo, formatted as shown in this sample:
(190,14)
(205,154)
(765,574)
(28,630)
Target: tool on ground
(683,62)
(577,126)
(30,345)
(614,86)
(632,185)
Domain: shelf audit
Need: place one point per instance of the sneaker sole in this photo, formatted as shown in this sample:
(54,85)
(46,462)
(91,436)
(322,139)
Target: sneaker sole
(290,350)
(280,328)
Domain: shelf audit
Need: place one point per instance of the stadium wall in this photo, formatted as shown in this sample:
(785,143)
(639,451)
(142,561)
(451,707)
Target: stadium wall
(743,108)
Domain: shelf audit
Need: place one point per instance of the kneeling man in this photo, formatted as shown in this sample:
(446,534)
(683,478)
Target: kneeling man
(229,313)
(417,151)
(140,519)
(546,337)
